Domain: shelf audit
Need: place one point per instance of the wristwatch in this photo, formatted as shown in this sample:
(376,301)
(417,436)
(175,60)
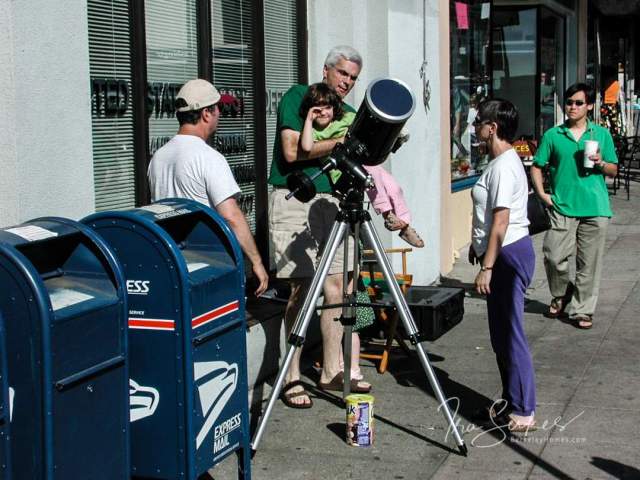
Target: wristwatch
(484,268)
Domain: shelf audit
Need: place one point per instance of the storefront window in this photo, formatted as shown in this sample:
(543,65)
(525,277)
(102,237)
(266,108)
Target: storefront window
(470,38)
(111,110)
(233,44)
(141,53)
(514,63)
(551,70)
(172,60)
(528,65)
(282,45)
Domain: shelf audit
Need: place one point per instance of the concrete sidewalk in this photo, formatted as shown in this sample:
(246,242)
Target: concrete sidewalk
(587,391)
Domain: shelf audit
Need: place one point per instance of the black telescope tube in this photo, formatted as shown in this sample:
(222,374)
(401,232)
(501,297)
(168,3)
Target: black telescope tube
(387,106)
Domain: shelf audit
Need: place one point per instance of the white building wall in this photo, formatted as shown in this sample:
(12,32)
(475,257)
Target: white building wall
(45,126)
(389,36)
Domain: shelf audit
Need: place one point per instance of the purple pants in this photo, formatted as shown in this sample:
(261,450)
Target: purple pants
(512,274)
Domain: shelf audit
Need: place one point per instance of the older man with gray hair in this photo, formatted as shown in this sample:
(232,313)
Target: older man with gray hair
(299,231)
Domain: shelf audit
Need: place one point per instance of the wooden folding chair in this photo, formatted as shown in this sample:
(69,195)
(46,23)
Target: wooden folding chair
(375,282)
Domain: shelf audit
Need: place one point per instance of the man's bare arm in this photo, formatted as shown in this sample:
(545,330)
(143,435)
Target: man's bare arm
(231,212)
(536,179)
(292,151)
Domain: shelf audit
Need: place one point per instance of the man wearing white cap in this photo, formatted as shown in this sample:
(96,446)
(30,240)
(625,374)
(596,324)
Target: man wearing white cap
(187,167)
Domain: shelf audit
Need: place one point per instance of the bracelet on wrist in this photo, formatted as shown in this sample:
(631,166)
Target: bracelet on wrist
(484,268)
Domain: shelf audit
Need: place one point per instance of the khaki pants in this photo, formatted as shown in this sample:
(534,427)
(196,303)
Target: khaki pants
(586,236)
(299,233)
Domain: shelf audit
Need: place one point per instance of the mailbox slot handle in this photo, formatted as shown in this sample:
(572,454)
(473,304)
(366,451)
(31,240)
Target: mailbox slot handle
(71,380)
(206,336)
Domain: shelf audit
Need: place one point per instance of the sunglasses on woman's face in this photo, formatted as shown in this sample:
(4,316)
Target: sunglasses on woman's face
(578,103)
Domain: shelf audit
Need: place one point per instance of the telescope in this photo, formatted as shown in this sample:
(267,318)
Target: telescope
(373,135)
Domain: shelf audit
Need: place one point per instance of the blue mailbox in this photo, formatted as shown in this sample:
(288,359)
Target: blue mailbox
(187,335)
(63,301)
(5,410)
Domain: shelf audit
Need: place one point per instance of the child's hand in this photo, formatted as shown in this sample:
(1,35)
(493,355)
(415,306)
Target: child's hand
(314,112)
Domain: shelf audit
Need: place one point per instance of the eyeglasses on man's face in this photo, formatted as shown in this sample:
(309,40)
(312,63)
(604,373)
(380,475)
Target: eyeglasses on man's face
(479,121)
(345,74)
(578,103)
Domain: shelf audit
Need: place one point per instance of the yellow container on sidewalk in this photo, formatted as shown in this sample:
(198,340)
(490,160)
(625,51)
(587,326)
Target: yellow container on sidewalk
(360,432)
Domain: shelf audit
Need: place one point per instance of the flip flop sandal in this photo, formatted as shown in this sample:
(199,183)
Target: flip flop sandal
(556,308)
(287,397)
(336,384)
(583,322)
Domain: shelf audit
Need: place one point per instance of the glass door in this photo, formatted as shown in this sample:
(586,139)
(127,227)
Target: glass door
(528,65)
(515,42)
(551,70)
(470,73)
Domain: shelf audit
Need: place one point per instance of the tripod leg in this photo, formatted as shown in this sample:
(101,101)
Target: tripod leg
(296,339)
(412,331)
(347,317)
(349,312)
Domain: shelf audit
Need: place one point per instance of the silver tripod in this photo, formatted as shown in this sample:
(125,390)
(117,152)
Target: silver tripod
(353,215)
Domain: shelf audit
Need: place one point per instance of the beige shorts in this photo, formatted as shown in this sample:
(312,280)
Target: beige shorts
(299,233)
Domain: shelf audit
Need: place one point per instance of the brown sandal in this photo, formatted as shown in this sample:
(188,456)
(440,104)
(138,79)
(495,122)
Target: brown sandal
(287,397)
(556,308)
(336,384)
(583,322)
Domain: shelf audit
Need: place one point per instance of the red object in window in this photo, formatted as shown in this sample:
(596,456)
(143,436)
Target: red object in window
(462,15)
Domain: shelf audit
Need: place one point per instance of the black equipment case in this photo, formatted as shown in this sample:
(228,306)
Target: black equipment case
(436,310)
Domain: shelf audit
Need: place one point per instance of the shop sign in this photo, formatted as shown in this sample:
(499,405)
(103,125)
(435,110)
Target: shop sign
(524,148)
(274,95)
(110,97)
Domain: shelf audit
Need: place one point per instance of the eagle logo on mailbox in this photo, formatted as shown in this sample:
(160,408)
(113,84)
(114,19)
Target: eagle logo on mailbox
(216,383)
(143,400)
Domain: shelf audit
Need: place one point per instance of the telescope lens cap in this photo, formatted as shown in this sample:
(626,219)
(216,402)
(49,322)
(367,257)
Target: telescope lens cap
(390,99)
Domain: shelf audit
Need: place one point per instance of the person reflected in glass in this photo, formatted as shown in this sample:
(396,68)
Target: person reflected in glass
(547,101)
(501,245)
(459,109)
(610,116)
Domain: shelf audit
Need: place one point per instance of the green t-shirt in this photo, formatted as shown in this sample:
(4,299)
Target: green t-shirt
(335,129)
(576,191)
(289,118)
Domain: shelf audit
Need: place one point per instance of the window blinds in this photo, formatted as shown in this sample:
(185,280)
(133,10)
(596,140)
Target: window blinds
(111,111)
(172,60)
(232,42)
(281,59)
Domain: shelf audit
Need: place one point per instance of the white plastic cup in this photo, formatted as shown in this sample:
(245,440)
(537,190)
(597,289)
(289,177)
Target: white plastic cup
(590,148)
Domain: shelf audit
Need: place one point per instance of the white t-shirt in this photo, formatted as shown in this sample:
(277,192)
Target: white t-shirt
(186,167)
(503,184)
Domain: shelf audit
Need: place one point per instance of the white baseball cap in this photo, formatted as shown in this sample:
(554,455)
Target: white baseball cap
(198,94)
